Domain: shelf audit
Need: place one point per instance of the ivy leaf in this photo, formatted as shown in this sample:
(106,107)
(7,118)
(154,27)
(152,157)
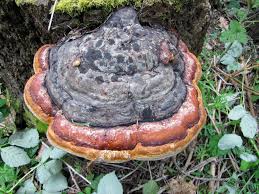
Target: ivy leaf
(151,187)
(45,171)
(109,184)
(234,67)
(14,156)
(235,50)
(231,190)
(235,32)
(248,157)
(57,153)
(27,139)
(45,154)
(237,113)
(227,59)
(248,126)
(231,98)
(28,188)
(229,141)
(56,183)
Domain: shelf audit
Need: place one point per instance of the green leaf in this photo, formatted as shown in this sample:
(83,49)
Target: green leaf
(27,188)
(235,50)
(95,181)
(237,113)
(14,156)
(151,187)
(56,183)
(231,190)
(109,184)
(240,13)
(229,141)
(236,32)
(233,4)
(213,148)
(2,102)
(88,190)
(231,98)
(248,157)
(248,126)
(234,67)
(7,174)
(45,171)
(27,139)
(57,153)
(256,4)
(32,151)
(228,59)
(248,165)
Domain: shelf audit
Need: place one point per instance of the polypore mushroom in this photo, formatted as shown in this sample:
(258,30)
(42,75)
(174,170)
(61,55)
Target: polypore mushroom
(123,92)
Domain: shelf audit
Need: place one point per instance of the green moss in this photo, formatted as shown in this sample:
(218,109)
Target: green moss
(71,6)
(21,2)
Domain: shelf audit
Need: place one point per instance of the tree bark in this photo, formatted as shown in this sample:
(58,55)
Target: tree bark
(23,29)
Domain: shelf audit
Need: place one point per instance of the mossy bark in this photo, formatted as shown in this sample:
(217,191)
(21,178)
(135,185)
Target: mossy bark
(23,29)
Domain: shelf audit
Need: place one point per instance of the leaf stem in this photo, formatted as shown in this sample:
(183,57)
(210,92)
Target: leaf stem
(222,54)
(255,146)
(21,179)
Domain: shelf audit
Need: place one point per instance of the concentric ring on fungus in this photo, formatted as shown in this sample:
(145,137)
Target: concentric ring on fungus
(122,92)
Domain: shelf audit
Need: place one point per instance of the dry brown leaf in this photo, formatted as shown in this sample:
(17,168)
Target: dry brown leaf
(180,186)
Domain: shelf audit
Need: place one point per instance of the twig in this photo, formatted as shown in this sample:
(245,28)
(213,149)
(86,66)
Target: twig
(202,164)
(233,162)
(244,68)
(74,180)
(52,14)
(241,191)
(127,175)
(149,169)
(188,161)
(235,80)
(212,183)
(197,178)
(141,186)
(220,172)
(116,165)
(21,179)
(213,122)
(81,176)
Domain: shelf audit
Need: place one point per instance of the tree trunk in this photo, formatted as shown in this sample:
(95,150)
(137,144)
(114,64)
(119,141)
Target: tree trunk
(23,29)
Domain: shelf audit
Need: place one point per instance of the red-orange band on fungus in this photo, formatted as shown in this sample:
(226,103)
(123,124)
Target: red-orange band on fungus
(37,99)
(40,62)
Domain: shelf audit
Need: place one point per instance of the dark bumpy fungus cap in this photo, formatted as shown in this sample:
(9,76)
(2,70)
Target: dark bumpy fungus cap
(122,92)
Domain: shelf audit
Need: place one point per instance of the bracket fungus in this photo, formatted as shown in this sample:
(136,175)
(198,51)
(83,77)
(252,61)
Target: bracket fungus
(122,92)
